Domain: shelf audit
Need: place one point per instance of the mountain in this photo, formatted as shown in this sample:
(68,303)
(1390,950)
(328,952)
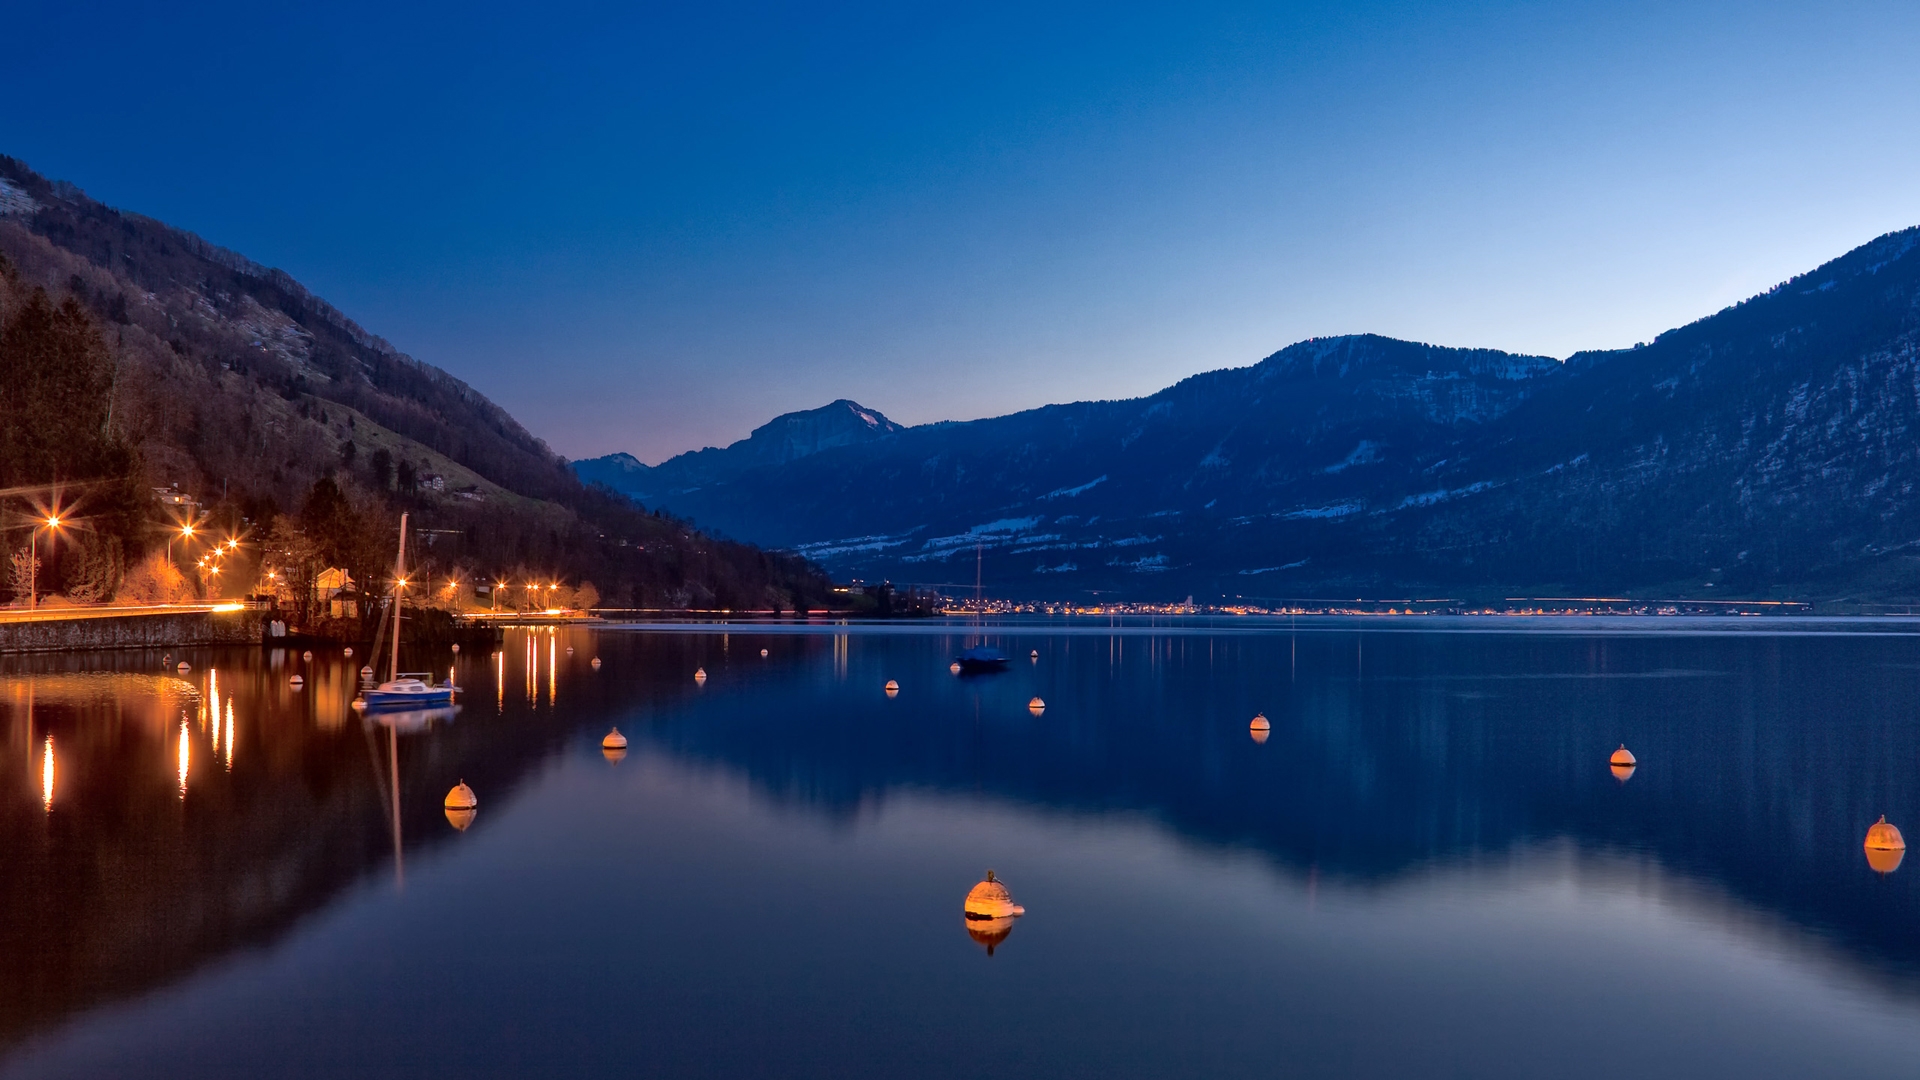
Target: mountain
(1768,449)
(233,388)
(783,439)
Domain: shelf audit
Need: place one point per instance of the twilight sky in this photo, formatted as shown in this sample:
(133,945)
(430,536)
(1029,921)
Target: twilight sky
(652,229)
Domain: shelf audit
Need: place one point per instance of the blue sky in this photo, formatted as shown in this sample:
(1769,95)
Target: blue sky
(652,229)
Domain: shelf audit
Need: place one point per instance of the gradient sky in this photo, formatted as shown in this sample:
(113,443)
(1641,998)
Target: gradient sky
(652,229)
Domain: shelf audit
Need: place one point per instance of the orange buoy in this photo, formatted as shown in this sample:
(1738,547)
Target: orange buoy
(184,667)
(1260,728)
(893,688)
(1036,706)
(462,798)
(763,652)
(296,682)
(308,655)
(991,900)
(1885,847)
(614,746)
(1622,773)
(460,819)
(347,652)
(594,663)
(953,667)
(699,675)
(1884,837)
(1623,756)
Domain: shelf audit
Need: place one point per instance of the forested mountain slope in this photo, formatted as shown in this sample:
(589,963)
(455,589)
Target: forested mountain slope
(233,384)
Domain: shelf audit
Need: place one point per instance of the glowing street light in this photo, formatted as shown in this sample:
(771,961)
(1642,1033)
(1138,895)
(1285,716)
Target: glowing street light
(52,524)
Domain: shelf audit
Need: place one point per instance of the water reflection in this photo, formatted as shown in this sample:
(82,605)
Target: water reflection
(1393,769)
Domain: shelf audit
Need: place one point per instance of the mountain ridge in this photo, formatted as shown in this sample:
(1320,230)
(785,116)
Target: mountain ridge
(1765,447)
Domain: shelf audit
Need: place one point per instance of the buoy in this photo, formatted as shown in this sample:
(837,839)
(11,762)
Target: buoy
(991,900)
(367,672)
(460,819)
(893,688)
(308,655)
(594,663)
(1623,756)
(1622,773)
(456,650)
(462,797)
(954,667)
(763,652)
(296,682)
(1885,847)
(700,675)
(1036,706)
(1260,728)
(614,741)
(1034,655)
(184,667)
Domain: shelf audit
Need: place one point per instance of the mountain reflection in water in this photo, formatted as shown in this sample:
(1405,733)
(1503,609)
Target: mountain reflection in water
(179,820)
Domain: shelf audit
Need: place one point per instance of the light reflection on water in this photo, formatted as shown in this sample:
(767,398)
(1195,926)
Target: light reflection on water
(1426,864)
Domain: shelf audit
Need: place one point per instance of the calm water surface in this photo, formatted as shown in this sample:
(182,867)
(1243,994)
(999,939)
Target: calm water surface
(1427,868)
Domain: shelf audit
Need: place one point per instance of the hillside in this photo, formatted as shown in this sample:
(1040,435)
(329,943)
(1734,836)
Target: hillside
(1771,448)
(234,386)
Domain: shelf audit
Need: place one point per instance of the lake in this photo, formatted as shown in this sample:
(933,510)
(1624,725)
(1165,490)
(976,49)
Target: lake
(1426,867)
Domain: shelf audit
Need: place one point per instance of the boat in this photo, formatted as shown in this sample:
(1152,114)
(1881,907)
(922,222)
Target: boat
(403,690)
(980,658)
(983,658)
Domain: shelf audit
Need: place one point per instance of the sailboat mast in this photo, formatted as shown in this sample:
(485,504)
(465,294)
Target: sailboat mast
(399,582)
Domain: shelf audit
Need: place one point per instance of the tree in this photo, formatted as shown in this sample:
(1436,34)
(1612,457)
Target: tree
(154,581)
(381,462)
(409,479)
(21,567)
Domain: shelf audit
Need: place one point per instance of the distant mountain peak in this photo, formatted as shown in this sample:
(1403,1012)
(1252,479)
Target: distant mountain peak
(783,439)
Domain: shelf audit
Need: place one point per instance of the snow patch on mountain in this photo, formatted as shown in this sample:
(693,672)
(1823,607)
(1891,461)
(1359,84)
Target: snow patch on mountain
(1070,492)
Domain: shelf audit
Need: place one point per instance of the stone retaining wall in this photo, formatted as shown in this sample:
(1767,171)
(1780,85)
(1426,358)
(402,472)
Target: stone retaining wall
(163,630)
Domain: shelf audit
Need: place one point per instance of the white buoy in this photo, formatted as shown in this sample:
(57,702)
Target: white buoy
(456,650)
(367,672)
(763,652)
(1034,655)
(296,682)
(954,667)
(308,655)
(595,664)
(347,652)
(184,667)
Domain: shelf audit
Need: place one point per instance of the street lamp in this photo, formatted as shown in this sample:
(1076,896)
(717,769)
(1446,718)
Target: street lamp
(33,558)
(185,533)
(498,588)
